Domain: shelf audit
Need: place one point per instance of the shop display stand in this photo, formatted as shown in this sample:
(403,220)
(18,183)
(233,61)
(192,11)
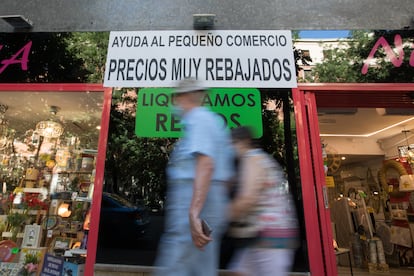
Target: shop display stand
(59,235)
(340,251)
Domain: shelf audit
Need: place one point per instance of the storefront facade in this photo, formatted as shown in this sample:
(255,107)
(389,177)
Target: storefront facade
(77,17)
(307,99)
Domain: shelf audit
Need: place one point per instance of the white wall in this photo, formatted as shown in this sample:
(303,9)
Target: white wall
(360,146)
(391,144)
(316,47)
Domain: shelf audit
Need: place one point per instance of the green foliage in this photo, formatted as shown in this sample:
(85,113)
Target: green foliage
(137,165)
(295,35)
(16,219)
(91,48)
(78,212)
(335,68)
(134,165)
(274,139)
(49,60)
(32,258)
(56,57)
(345,64)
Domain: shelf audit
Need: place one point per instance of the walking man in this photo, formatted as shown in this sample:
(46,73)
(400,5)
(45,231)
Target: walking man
(200,165)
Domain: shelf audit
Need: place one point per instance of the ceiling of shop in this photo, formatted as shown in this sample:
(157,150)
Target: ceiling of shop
(375,114)
(370,123)
(107,15)
(79,112)
(375,123)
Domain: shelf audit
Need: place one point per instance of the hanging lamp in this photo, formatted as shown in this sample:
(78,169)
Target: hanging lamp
(50,128)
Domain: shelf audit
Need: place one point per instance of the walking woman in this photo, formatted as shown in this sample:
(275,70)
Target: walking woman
(262,212)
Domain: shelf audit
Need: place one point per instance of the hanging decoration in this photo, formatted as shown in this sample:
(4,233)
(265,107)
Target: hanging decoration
(408,151)
(50,128)
(6,134)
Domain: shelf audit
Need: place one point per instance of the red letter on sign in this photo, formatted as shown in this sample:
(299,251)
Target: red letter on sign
(396,60)
(13,60)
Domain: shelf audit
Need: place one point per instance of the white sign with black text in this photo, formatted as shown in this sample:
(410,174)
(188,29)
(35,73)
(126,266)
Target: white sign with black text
(218,58)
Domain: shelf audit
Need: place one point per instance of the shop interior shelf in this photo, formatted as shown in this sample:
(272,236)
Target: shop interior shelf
(29,212)
(83,199)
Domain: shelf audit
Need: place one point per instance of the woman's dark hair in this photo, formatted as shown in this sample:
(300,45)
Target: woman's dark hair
(242,133)
(245,133)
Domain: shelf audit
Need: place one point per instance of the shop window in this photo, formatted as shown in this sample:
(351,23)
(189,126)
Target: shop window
(48,148)
(135,171)
(307,74)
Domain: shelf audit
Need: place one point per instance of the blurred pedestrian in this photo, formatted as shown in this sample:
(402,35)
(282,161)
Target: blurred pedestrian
(263,214)
(199,167)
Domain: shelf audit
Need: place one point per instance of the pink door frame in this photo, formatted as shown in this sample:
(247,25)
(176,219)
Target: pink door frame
(317,217)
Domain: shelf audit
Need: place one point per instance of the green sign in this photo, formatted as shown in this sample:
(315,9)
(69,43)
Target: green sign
(236,106)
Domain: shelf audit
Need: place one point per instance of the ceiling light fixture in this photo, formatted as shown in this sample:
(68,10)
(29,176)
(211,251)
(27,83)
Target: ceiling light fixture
(365,135)
(203,21)
(50,128)
(64,210)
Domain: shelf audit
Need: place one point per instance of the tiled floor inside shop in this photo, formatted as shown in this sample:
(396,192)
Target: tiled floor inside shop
(345,271)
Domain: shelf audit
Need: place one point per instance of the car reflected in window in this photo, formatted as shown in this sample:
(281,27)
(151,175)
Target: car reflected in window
(121,221)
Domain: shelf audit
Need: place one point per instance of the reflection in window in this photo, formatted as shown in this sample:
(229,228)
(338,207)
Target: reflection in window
(48,145)
(44,133)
